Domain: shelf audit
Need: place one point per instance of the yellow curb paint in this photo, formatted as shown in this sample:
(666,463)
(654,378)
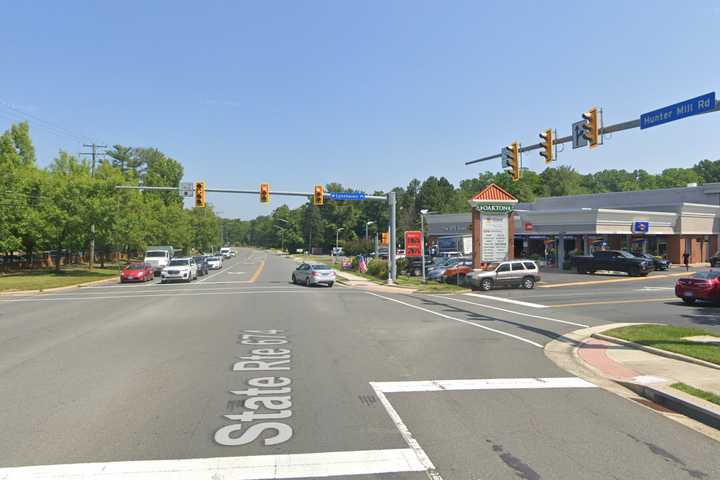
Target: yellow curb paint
(611,302)
(615,280)
(257,272)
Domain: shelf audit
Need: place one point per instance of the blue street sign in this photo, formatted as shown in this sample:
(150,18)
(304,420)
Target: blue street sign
(641,227)
(687,108)
(347,195)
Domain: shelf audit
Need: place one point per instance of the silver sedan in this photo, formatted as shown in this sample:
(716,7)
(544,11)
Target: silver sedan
(313,274)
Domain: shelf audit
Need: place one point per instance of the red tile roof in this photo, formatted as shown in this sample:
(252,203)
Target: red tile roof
(493,193)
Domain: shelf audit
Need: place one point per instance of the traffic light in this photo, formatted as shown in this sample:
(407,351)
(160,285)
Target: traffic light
(548,137)
(591,127)
(200,194)
(264,193)
(511,160)
(318,195)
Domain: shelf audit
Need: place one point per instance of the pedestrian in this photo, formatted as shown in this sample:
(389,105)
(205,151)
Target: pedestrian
(686,261)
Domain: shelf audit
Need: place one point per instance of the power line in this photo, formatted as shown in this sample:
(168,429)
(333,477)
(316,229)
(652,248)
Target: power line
(46,124)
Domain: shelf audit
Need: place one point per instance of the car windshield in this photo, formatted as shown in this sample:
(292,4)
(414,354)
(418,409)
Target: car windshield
(156,253)
(135,266)
(179,263)
(708,275)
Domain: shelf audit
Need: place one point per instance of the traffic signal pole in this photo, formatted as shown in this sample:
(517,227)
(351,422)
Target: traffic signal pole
(618,127)
(390,198)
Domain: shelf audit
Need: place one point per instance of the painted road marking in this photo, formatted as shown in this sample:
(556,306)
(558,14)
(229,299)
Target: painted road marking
(420,456)
(557,320)
(381,388)
(467,322)
(507,300)
(236,273)
(482,384)
(614,280)
(612,302)
(136,295)
(652,289)
(255,467)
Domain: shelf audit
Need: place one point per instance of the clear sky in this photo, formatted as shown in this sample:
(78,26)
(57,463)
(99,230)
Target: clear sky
(367,93)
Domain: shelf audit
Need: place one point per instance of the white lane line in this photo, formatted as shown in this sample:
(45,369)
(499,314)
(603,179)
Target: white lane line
(507,300)
(415,447)
(106,297)
(653,289)
(481,384)
(256,467)
(500,332)
(540,317)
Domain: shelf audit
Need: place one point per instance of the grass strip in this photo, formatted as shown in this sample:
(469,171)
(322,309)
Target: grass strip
(670,338)
(696,392)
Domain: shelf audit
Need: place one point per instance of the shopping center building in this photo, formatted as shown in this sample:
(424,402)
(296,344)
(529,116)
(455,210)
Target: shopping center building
(666,222)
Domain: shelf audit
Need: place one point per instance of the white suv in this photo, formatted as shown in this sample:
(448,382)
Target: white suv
(182,269)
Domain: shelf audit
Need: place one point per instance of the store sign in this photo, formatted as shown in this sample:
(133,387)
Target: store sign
(494,230)
(413,243)
(494,208)
(641,227)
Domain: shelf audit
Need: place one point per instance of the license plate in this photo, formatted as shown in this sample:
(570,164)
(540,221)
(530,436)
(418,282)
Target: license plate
(688,294)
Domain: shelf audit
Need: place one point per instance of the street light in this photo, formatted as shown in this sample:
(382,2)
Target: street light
(282,237)
(366,229)
(337,232)
(423,212)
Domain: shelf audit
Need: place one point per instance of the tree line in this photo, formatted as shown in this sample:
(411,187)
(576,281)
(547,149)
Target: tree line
(308,226)
(53,209)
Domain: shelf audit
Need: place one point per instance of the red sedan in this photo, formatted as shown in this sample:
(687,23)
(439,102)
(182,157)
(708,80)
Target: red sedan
(137,272)
(701,286)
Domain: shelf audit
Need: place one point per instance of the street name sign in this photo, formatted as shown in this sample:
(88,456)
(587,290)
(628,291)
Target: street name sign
(687,108)
(347,195)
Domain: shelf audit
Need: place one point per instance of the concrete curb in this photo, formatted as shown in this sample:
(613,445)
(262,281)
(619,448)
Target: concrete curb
(57,289)
(680,402)
(656,351)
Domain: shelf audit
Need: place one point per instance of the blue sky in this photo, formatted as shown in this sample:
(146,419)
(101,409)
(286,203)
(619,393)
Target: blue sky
(370,94)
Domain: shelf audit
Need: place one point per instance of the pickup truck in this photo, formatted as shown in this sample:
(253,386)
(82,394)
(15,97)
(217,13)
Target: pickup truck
(615,261)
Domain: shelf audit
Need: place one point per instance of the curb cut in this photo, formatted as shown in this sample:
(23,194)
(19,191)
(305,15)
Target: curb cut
(656,351)
(675,402)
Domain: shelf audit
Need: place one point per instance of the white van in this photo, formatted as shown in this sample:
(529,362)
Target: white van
(226,252)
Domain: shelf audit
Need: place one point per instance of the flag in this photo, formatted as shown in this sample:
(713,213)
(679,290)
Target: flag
(362,266)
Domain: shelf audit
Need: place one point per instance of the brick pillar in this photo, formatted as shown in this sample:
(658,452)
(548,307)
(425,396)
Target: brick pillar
(476,238)
(675,248)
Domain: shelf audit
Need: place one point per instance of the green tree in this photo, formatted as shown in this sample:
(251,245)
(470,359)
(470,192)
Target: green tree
(708,170)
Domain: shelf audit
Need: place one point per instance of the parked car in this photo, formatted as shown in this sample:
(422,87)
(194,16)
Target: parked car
(137,272)
(202,265)
(701,286)
(456,273)
(658,263)
(436,271)
(183,269)
(511,273)
(414,266)
(313,274)
(215,262)
(613,260)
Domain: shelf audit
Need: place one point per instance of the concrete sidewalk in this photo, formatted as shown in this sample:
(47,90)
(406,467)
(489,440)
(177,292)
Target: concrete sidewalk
(643,372)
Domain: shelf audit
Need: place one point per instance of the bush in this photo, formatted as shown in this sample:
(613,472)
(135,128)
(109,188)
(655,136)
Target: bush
(402,265)
(378,269)
(355,263)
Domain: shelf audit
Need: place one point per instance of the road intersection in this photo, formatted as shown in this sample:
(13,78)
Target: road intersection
(136,381)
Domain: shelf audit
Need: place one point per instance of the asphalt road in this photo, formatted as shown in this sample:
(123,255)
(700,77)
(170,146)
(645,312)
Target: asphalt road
(265,379)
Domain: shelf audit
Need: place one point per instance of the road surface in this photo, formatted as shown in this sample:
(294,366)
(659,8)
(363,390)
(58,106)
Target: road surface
(244,375)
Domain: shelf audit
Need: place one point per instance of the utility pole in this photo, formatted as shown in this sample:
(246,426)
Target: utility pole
(94,147)
(392,271)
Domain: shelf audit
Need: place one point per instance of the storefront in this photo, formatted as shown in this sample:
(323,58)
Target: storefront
(666,222)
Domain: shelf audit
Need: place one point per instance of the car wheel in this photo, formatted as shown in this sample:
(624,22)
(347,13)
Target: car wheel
(293,279)
(307,282)
(162,281)
(122,280)
(486,284)
(688,301)
(331,284)
(528,283)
